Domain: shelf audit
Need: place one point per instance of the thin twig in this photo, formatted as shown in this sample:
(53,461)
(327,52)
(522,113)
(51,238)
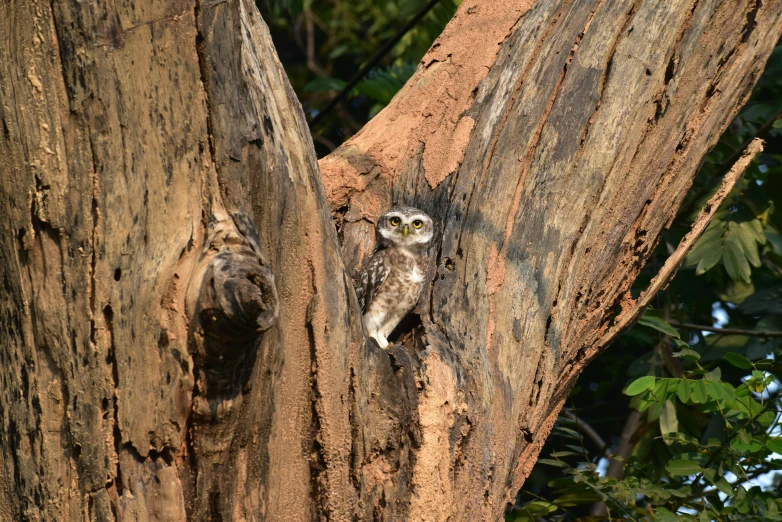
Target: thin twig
(725,331)
(372,62)
(661,280)
(312,63)
(588,430)
(733,158)
(758,134)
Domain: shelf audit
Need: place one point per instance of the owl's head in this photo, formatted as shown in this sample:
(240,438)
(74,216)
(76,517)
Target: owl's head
(406,227)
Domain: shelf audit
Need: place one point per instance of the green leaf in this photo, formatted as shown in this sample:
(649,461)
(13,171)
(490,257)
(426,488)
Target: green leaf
(564,454)
(778,124)
(767,418)
(682,468)
(714,375)
(655,410)
(713,390)
(687,355)
(744,235)
(724,486)
(698,391)
(728,392)
(707,252)
(663,515)
(739,361)
(709,259)
(552,462)
(683,391)
(735,261)
(576,498)
(660,390)
(658,324)
(540,508)
(640,385)
(668,421)
(737,292)
(755,228)
(325,84)
(567,432)
(775,445)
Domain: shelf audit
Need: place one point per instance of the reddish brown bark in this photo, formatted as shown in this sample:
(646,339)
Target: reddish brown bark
(179,337)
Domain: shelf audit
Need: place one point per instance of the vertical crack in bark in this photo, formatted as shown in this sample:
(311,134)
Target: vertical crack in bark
(317,458)
(94,238)
(200,48)
(670,72)
(111,360)
(355,433)
(752,23)
(59,67)
(191,480)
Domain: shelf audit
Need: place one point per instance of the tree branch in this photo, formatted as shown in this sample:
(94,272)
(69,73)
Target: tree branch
(669,269)
(726,331)
(379,55)
(760,132)
(588,430)
(616,466)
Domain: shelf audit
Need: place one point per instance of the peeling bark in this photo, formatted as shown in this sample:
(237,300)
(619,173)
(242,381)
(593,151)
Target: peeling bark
(180,338)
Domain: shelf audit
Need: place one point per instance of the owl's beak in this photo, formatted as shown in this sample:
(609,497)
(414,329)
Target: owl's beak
(405,230)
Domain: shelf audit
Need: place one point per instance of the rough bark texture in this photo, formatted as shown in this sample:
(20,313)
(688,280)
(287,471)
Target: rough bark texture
(178,334)
(572,148)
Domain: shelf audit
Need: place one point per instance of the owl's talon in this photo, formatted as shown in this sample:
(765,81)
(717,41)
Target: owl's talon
(389,346)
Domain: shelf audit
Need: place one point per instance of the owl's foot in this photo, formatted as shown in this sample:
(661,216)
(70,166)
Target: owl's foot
(380,341)
(388,346)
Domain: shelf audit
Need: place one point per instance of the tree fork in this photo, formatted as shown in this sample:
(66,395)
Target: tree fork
(551,142)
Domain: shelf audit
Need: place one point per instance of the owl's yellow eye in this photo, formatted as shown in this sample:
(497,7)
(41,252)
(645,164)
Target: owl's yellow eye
(395,221)
(418,223)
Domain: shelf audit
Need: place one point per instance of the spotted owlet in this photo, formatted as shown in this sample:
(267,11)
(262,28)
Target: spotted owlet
(391,280)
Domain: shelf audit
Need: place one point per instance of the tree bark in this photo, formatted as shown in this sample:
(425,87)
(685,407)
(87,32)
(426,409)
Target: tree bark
(180,338)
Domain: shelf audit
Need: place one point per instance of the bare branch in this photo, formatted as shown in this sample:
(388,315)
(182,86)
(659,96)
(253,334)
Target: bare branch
(669,269)
(726,331)
(588,430)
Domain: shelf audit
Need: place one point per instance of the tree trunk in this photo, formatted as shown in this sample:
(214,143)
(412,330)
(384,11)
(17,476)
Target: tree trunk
(180,338)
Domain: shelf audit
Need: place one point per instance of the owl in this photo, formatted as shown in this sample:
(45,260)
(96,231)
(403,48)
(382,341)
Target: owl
(391,280)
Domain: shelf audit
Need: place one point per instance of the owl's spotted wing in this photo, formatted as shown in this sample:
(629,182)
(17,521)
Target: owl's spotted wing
(371,278)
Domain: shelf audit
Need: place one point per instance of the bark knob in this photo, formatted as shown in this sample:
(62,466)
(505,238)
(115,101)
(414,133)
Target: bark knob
(238,298)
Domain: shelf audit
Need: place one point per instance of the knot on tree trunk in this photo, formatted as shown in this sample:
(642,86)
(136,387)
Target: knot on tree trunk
(233,299)
(238,301)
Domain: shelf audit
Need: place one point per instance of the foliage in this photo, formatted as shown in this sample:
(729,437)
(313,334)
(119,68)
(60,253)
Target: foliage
(708,445)
(324,43)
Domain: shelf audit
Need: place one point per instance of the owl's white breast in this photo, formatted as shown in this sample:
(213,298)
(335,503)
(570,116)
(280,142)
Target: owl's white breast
(416,275)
